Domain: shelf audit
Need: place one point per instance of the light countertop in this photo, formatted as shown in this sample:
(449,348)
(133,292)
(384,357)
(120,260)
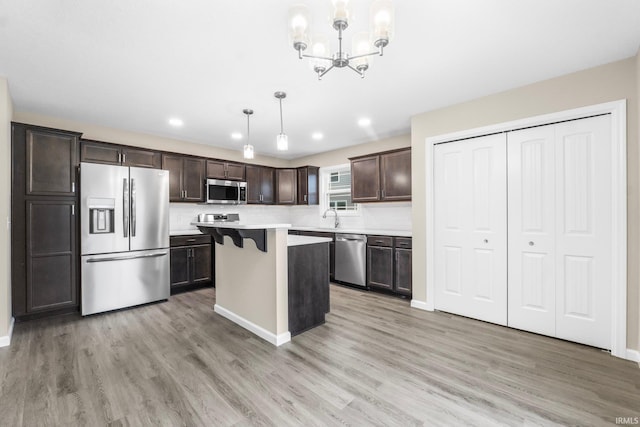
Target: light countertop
(240,225)
(370,231)
(184,232)
(293,240)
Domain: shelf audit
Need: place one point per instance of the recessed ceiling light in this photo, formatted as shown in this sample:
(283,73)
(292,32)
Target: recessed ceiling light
(175,122)
(236,135)
(317,136)
(363,122)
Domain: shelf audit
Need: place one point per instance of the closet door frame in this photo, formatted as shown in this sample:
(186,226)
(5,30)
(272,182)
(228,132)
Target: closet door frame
(618,112)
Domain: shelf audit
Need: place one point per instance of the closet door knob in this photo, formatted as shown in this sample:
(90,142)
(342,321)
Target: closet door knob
(486,240)
(531,243)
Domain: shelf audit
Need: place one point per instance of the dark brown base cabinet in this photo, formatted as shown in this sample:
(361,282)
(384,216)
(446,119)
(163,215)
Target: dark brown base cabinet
(389,264)
(44,233)
(308,277)
(332,246)
(191,262)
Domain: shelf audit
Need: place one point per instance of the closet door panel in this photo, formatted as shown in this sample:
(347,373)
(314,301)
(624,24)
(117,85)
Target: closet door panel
(531,195)
(583,230)
(470,249)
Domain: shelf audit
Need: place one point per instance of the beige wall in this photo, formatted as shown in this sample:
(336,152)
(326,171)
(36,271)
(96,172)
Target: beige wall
(6,112)
(606,83)
(341,156)
(105,134)
(253,284)
(637,318)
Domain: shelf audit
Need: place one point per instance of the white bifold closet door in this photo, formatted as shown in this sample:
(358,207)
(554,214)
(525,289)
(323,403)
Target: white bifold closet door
(559,179)
(471,228)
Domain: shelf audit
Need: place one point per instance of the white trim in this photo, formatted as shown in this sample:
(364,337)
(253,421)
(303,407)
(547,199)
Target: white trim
(5,341)
(274,339)
(618,111)
(633,355)
(421,305)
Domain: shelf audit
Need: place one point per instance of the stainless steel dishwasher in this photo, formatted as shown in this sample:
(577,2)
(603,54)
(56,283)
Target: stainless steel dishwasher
(351,259)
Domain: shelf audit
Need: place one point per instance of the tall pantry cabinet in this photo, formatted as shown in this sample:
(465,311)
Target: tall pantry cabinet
(523,229)
(44,211)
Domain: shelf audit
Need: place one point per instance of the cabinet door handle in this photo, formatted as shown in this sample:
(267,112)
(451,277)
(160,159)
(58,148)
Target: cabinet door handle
(191,240)
(305,197)
(73,187)
(383,194)
(124,158)
(73,210)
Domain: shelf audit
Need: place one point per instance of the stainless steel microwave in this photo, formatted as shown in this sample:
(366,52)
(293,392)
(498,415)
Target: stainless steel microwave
(221,192)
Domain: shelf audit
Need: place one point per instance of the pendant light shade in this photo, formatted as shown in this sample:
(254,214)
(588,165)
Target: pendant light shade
(247,150)
(282,141)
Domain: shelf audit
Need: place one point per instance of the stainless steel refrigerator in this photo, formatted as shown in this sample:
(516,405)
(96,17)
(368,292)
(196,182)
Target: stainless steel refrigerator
(124,236)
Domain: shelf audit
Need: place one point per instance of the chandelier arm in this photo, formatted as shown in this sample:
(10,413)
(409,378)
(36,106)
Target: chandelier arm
(364,55)
(361,74)
(318,57)
(325,72)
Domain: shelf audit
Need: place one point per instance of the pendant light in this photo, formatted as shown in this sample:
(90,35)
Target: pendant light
(282,141)
(247,151)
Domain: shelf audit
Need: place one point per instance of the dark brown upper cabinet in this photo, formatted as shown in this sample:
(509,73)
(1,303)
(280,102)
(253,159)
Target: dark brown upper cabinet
(365,179)
(286,186)
(219,169)
(186,177)
(381,177)
(51,161)
(112,154)
(260,184)
(308,185)
(395,175)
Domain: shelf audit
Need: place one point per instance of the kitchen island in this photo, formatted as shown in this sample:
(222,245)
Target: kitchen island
(253,277)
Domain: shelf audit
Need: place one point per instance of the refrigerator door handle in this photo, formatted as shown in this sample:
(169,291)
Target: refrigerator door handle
(122,258)
(133,207)
(125,200)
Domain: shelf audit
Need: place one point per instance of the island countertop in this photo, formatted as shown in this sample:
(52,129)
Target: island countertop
(293,240)
(240,225)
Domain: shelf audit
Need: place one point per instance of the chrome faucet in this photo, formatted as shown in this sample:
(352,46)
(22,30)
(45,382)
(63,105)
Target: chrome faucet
(324,215)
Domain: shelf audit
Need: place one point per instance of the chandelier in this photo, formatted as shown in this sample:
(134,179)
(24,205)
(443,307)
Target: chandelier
(363,43)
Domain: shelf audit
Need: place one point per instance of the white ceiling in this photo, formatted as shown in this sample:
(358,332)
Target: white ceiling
(134,64)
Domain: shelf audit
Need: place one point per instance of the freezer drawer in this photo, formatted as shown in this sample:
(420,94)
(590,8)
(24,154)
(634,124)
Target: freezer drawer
(125,279)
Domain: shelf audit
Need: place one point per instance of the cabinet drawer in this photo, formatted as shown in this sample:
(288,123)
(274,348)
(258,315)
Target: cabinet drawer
(403,242)
(190,240)
(380,241)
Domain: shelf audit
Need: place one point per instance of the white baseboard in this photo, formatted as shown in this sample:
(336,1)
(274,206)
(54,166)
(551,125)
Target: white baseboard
(250,326)
(421,305)
(5,341)
(633,355)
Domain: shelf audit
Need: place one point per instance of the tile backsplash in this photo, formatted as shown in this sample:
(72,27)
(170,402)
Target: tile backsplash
(382,216)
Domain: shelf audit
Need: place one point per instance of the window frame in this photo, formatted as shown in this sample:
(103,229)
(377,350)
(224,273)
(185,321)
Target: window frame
(325,176)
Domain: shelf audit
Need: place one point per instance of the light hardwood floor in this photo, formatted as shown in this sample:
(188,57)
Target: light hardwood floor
(376,361)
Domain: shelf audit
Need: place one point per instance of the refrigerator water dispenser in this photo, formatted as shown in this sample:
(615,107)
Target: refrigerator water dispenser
(101,216)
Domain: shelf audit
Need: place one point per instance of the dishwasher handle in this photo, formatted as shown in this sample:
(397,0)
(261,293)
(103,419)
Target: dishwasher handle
(351,238)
